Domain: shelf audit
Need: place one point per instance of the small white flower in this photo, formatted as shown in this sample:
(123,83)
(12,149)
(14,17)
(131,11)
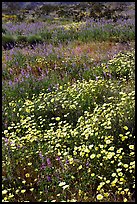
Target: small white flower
(92,156)
(62,183)
(64,187)
(114,174)
(131,146)
(99,197)
(4,192)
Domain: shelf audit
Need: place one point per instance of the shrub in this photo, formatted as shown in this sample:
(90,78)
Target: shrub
(33,39)
(21,38)
(8,41)
(46,35)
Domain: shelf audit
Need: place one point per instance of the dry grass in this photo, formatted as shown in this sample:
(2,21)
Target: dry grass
(100,50)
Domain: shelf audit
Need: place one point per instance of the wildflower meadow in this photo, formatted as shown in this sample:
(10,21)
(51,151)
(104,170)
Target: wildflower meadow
(68,104)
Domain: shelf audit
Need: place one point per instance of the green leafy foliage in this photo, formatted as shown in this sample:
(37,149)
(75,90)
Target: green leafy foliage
(8,40)
(33,39)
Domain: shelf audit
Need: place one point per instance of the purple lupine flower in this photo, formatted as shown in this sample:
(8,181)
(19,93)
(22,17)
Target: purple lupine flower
(58,158)
(39,69)
(27,75)
(29,68)
(22,79)
(67,161)
(6,140)
(10,82)
(87,164)
(22,72)
(104,73)
(43,166)
(42,75)
(49,89)
(47,71)
(49,178)
(11,71)
(49,162)
(110,76)
(41,156)
(17,64)
(16,79)
(86,68)
(96,78)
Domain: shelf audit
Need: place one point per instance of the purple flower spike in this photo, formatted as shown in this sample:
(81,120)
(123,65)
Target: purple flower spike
(16,79)
(41,156)
(87,164)
(10,83)
(6,140)
(29,68)
(49,162)
(11,71)
(27,75)
(48,178)
(49,89)
(22,72)
(67,161)
(58,158)
(96,78)
(110,76)
(39,69)
(43,166)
